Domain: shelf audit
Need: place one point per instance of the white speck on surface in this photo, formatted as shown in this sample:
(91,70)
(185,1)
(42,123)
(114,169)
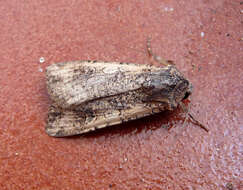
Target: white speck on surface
(241,11)
(40,69)
(16,153)
(202,34)
(166,9)
(42,59)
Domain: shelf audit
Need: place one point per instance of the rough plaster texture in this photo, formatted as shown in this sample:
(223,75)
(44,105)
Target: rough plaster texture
(203,37)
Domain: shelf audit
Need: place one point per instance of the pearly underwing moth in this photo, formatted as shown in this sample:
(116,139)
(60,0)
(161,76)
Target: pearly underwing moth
(88,95)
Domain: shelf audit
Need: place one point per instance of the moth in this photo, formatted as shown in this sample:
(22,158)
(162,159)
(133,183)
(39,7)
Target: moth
(88,95)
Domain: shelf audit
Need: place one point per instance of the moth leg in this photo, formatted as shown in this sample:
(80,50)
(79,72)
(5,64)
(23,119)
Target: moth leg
(189,115)
(184,110)
(156,59)
(198,123)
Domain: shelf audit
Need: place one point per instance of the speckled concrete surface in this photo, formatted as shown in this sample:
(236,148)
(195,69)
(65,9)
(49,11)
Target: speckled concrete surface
(203,37)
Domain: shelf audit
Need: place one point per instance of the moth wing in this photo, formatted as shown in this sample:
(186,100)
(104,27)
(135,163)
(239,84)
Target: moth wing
(73,83)
(62,123)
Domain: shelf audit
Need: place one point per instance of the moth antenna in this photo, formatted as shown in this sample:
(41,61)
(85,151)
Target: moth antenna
(154,58)
(198,123)
(189,115)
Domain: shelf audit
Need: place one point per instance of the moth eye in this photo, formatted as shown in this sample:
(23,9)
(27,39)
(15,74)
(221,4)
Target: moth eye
(186,95)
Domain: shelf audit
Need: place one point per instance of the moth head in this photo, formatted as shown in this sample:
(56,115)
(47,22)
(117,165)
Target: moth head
(168,87)
(182,90)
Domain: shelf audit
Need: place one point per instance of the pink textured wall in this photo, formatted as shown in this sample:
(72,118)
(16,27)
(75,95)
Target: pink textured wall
(203,37)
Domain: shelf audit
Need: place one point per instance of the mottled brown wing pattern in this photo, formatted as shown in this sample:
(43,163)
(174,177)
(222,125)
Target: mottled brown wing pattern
(73,83)
(73,122)
(89,95)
